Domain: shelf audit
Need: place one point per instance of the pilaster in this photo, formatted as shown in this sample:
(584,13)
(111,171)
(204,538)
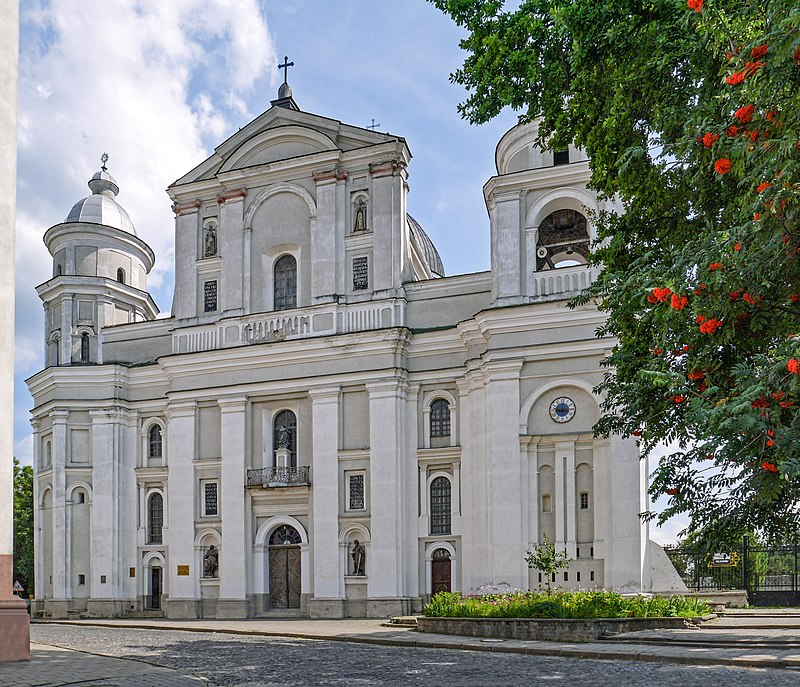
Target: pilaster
(179,521)
(506,247)
(186,233)
(388,222)
(327,600)
(323,238)
(233,557)
(59,419)
(230,248)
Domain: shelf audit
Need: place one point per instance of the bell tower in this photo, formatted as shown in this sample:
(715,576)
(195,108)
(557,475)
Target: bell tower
(100,269)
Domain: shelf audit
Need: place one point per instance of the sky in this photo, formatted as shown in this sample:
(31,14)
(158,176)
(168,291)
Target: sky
(157,85)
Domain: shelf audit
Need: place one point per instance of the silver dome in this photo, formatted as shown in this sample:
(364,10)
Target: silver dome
(426,247)
(101,207)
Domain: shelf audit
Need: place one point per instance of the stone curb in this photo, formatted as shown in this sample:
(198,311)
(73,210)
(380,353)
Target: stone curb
(588,650)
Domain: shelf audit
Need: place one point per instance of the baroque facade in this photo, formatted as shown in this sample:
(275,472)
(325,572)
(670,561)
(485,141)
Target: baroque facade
(350,428)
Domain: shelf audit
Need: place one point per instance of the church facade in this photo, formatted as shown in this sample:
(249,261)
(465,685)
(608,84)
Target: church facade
(349,428)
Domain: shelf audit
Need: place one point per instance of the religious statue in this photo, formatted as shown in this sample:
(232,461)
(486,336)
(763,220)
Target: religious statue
(210,241)
(360,222)
(358,554)
(210,561)
(283,438)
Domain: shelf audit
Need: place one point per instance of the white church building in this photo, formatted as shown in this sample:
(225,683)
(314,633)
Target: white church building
(320,380)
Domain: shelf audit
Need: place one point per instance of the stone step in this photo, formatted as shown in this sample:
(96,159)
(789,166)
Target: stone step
(402,621)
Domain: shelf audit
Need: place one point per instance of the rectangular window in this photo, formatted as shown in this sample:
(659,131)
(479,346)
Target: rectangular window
(577,577)
(210,498)
(560,157)
(360,273)
(584,500)
(355,492)
(81,579)
(566,577)
(591,575)
(210,296)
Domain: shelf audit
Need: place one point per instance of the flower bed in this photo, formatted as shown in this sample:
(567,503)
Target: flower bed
(561,616)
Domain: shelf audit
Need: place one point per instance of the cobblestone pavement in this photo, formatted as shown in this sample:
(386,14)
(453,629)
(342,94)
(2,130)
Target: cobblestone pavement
(247,661)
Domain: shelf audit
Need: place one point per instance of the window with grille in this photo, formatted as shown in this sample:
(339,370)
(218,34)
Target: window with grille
(210,498)
(561,157)
(284,435)
(440,418)
(155,519)
(355,492)
(440,506)
(120,275)
(84,348)
(584,500)
(155,442)
(285,283)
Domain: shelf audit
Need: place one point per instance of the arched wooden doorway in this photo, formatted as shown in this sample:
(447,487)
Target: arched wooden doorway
(284,568)
(441,571)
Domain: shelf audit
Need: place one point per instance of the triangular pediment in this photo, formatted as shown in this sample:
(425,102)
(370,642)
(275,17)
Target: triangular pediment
(281,133)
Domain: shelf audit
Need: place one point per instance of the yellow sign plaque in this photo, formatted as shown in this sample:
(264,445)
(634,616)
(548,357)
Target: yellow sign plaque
(183,570)
(133,572)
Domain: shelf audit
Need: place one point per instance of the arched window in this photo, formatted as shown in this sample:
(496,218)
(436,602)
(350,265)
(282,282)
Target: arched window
(285,283)
(440,418)
(564,234)
(84,348)
(120,275)
(58,270)
(440,506)
(155,442)
(48,453)
(284,435)
(285,536)
(155,518)
(55,353)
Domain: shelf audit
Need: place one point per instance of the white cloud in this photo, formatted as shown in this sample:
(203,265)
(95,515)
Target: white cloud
(23,449)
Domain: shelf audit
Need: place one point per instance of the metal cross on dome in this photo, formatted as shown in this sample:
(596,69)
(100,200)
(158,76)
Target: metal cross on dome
(373,126)
(103,160)
(285,66)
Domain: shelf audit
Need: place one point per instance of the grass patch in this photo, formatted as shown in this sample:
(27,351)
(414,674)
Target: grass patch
(584,605)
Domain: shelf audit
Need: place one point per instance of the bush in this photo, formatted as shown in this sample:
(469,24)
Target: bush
(585,604)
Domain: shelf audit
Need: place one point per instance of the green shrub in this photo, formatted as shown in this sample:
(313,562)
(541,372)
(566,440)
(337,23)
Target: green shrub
(584,604)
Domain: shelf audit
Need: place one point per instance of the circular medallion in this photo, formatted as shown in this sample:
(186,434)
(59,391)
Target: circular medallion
(562,409)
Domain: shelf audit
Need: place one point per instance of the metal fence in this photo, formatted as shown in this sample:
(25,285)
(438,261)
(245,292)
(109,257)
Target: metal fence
(769,574)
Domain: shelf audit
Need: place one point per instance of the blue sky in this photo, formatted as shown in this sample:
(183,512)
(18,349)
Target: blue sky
(158,84)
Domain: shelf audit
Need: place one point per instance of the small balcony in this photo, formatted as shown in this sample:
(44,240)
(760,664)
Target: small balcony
(279,476)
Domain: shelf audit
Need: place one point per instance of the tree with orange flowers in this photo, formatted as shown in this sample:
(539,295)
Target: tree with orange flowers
(690,114)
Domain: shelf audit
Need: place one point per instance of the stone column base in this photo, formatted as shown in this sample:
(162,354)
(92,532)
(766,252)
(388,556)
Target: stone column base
(108,608)
(325,608)
(231,608)
(15,635)
(386,608)
(56,608)
(180,609)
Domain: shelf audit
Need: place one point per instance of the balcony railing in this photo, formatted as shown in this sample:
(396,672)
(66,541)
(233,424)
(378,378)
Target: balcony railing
(561,283)
(279,477)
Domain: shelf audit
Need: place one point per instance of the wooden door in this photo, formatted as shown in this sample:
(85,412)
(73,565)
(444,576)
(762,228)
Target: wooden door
(440,572)
(284,577)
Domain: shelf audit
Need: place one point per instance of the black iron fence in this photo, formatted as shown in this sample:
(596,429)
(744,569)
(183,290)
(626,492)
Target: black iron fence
(769,574)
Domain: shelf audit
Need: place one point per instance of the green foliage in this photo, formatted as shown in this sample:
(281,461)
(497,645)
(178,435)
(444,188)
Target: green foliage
(23,525)
(585,604)
(547,560)
(703,205)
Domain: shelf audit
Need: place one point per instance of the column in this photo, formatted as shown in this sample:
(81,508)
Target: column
(247,238)
(230,239)
(384,568)
(180,508)
(65,356)
(184,303)
(327,601)
(323,239)
(128,533)
(601,449)
(623,571)
(232,558)
(105,522)
(408,494)
(506,255)
(59,602)
(387,220)
(505,474)
(14,628)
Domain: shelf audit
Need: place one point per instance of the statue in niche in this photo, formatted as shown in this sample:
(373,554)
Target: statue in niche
(210,241)
(211,562)
(358,554)
(360,221)
(283,438)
